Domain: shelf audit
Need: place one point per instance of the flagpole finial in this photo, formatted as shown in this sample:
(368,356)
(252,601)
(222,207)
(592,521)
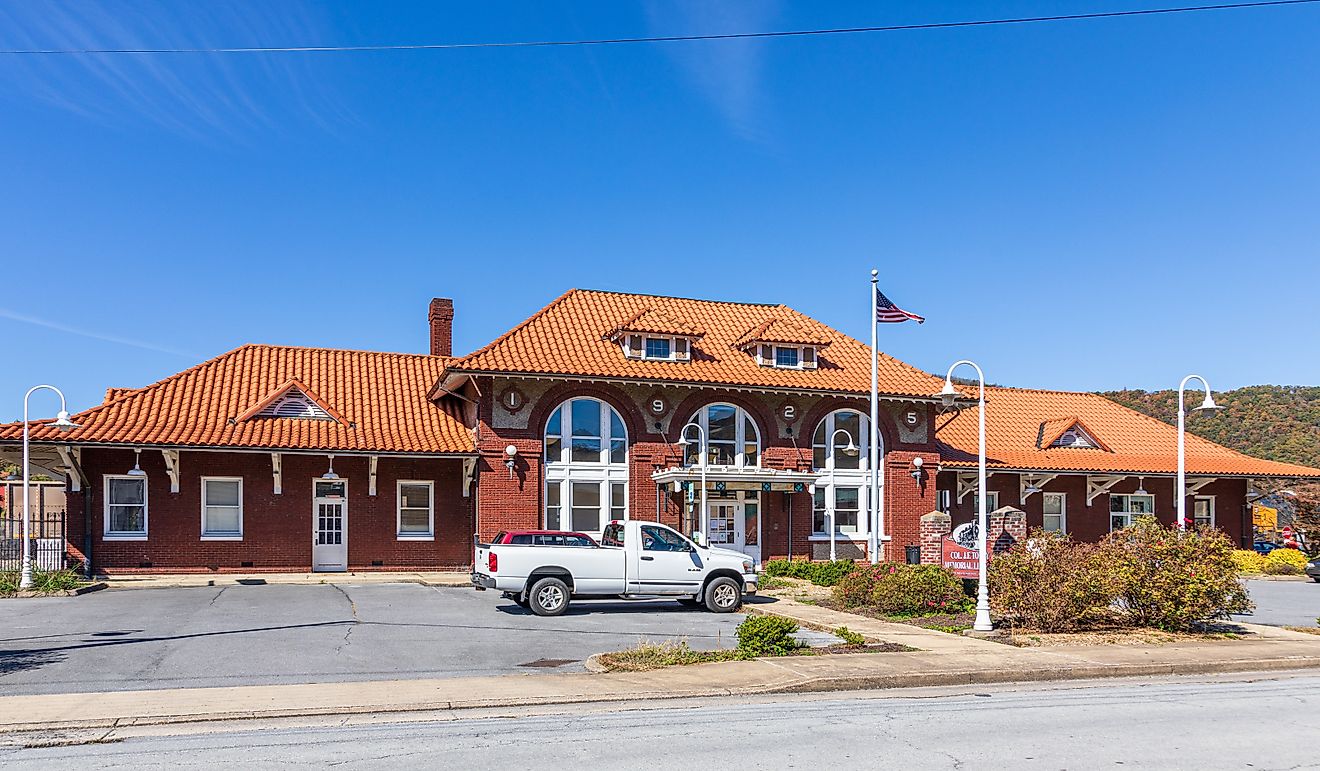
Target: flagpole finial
(874,273)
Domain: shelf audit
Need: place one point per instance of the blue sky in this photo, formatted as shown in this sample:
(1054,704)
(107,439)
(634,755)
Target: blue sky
(1083,205)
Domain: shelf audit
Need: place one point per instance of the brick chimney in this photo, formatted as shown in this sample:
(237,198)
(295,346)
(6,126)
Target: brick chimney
(442,326)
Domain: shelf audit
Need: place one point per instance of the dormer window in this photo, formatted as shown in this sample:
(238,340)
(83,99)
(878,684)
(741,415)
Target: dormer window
(786,356)
(657,348)
(1068,433)
(650,335)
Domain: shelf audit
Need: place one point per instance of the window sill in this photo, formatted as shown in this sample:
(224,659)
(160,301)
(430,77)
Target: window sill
(418,537)
(222,537)
(108,537)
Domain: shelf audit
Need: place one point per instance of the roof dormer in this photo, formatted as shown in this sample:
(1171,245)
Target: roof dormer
(652,335)
(783,344)
(1068,433)
(292,400)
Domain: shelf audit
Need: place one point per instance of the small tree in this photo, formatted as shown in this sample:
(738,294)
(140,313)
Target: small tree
(1051,582)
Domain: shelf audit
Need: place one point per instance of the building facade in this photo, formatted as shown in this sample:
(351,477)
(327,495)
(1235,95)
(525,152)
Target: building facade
(599,406)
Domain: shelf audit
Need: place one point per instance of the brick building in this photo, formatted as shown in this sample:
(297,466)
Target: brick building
(277,458)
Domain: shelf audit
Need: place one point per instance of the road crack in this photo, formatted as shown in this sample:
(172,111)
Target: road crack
(352,606)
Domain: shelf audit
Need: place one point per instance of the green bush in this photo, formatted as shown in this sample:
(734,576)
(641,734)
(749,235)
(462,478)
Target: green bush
(1248,561)
(904,590)
(1051,582)
(1291,558)
(1171,579)
(819,573)
(1281,569)
(849,637)
(760,635)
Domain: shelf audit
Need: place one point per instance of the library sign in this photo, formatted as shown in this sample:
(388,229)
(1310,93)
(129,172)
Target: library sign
(959,553)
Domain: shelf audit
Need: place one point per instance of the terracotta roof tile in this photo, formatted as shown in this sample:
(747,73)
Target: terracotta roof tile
(649,320)
(1018,420)
(379,397)
(567,337)
(777,329)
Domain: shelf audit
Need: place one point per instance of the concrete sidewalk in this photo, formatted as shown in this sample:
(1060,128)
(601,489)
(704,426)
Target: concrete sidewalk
(942,660)
(176,580)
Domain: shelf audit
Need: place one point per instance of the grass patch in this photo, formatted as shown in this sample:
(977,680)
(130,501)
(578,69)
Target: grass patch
(772,582)
(648,656)
(43,581)
(1307,629)
(849,637)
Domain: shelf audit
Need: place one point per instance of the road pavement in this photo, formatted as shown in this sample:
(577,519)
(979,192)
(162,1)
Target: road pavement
(1165,723)
(1283,603)
(280,634)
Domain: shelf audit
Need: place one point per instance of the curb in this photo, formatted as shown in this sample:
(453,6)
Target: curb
(804,684)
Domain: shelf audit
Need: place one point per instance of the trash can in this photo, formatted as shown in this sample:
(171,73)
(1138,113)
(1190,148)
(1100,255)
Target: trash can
(913,555)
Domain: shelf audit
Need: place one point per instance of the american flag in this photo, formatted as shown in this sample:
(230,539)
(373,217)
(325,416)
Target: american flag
(888,313)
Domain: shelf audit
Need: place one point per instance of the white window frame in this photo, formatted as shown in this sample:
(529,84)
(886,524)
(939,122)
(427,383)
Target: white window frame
(825,431)
(775,348)
(1127,512)
(992,501)
(399,534)
(862,533)
(1063,510)
(1210,499)
(207,536)
(564,471)
(110,535)
(674,353)
(742,419)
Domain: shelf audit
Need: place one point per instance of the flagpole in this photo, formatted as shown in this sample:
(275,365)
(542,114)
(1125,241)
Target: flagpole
(877,514)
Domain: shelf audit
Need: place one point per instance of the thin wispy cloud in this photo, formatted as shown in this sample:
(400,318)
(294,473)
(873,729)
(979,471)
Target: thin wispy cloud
(197,95)
(728,73)
(58,327)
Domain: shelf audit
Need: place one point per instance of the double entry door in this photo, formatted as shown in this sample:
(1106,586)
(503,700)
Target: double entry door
(330,525)
(736,525)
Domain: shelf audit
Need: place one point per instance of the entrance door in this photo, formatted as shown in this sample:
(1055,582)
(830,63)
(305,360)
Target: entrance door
(330,525)
(736,525)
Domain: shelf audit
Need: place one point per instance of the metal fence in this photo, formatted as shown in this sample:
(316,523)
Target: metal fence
(48,527)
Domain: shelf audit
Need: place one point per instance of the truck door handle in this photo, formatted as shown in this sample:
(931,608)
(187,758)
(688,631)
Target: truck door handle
(648,559)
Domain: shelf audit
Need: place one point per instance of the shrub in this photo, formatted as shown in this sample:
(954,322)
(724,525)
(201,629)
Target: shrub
(1291,558)
(1051,582)
(44,581)
(1281,569)
(849,637)
(903,590)
(819,573)
(767,636)
(1248,561)
(1171,579)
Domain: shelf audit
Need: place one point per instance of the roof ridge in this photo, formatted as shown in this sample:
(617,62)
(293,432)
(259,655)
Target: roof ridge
(346,350)
(675,297)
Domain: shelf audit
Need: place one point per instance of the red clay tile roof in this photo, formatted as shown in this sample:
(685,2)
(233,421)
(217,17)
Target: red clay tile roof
(1135,442)
(381,398)
(651,321)
(566,338)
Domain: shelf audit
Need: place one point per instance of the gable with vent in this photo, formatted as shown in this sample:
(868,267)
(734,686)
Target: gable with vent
(1069,434)
(293,401)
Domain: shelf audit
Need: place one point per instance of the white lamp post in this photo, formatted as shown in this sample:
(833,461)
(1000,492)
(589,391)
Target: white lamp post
(683,443)
(850,450)
(63,423)
(1207,404)
(948,395)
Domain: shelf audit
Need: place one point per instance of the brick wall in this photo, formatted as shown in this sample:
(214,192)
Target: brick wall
(277,529)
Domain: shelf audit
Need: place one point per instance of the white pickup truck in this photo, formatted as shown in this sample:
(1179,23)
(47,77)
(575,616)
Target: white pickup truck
(634,560)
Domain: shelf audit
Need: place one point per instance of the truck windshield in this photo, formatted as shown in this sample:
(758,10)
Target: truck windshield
(660,539)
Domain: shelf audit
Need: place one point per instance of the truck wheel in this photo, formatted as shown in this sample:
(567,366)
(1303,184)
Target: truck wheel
(548,597)
(723,595)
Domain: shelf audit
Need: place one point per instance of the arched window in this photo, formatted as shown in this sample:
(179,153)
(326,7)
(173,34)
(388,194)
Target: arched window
(843,427)
(846,488)
(731,436)
(586,466)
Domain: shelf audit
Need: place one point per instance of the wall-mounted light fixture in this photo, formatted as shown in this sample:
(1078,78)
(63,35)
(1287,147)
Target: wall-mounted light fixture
(916,471)
(510,452)
(330,472)
(137,471)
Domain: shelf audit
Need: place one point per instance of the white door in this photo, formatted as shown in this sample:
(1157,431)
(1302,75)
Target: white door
(736,525)
(666,563)
(330,525)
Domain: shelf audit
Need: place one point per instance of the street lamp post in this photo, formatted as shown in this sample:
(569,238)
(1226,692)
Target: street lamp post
(1207,404)
(851,449)
(948,395)
(63,423)
(683,443)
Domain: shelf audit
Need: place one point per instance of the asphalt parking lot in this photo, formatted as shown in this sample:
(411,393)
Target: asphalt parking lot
(1283,603)
(274,634)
